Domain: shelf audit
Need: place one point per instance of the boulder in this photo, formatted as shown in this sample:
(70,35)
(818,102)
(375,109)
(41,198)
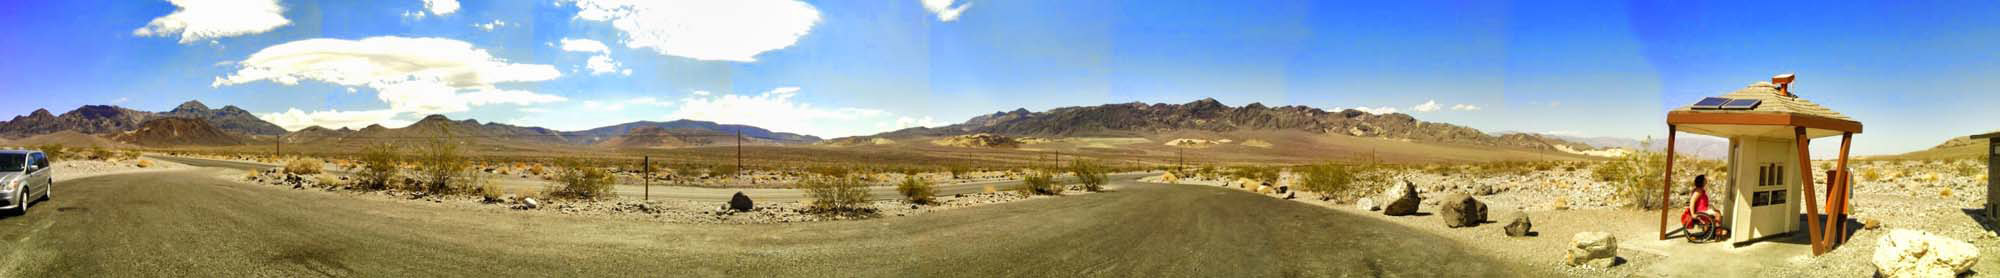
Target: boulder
(1403,200)
(741,202)
(1483,190)
(529,203)
(1460,210)
(1518,224)
(1595,248)
(1913,253)
(1366,204)
(1284,189)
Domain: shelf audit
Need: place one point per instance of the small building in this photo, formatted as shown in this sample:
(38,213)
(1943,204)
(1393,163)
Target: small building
(1769,166)
(1992,174)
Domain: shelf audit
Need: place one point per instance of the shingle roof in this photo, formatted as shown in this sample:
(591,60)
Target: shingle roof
(1773,103)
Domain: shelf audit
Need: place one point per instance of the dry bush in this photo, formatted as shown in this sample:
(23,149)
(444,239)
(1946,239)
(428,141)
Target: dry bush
(537,169)
(490,193)
(1039,183)
(1091,174)
(304,166)
(1637,177)
(836,195)
(327,180)
(144,163)
(379,166)
(441,167)
(56,151)
(957,170)
(830,171)
(575,180)
(1264,174)
(1871,174)
(917,191)
(100,153)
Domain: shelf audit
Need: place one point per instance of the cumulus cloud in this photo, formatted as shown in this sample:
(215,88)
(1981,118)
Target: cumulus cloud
(776,110)
(1465,107)
(295,119)
(412,75)
(489,26)
(441,7)
(736,30)
(1428,106)
(197,20)
(598,64)
(944,9)
(1370,110)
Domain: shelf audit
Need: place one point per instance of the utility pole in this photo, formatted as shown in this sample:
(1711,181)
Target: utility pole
(739,155)
(281,145)
(646,167)
(1183,162)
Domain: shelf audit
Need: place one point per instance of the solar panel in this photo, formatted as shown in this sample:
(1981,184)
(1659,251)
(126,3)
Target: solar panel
(1742,104)
(1710,103)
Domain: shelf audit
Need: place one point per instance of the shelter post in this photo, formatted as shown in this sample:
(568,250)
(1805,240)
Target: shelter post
(1837,204)
(1805,178)
(1667,183)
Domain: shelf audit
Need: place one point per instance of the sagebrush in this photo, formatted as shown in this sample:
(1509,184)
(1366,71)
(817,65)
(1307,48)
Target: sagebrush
(845,196)
(916,190)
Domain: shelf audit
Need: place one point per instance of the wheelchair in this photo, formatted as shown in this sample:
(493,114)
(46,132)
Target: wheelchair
(1702,227)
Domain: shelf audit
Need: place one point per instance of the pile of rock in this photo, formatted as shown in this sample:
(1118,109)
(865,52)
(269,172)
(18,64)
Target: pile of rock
(1912,253)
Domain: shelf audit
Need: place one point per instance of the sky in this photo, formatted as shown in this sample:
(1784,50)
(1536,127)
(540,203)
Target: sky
(1915,75)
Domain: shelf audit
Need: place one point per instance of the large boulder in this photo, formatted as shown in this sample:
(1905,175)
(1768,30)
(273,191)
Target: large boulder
(1403,200)
(1366,204)
(1518,224)
(1595,248)
(1912,253)
(741,202)
(1460,210)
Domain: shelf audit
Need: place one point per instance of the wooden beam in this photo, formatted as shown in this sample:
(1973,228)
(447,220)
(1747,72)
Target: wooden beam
(1806,180)
(1777,119)
(1667,184)
(1837,196)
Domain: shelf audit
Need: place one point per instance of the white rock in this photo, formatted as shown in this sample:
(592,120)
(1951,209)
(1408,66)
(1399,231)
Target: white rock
(529,203)
(1597,248)
(1366,204)
(1913,253)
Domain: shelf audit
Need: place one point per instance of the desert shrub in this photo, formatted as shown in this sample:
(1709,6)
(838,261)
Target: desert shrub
(538,170)
(56,151)
(1207,171)
(1039,183)
(957,170)
(379,165)
(917,191)
(144,163)
(1327,179)
(327,180)
(1637,178)
(575,180)
(836,195)
(1092,174)
(440,167)
(99,153)
(722,170)
(490,193)
(830,171)
(304,166)
(1256,173)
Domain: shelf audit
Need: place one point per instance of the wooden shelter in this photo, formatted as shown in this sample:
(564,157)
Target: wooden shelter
(1992,174)
(1769,127)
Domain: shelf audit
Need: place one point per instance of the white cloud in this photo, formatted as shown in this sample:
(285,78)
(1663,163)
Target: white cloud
(198,20)
(776,110)
(602,64)
(295,120)
(489,26)
(121,100)
(926,121)
(1370,110)
(584,45)
(412,75)
(441,7)
(1563,133)
(1428,106)
(1465,107)
(736,30)
(414,14)
(944,10)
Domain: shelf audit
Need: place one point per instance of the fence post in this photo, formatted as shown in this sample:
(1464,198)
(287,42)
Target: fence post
(646,175)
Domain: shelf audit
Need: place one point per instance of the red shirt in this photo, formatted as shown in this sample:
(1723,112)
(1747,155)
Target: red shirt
(1700,200)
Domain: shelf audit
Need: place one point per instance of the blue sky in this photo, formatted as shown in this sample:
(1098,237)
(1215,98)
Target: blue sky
(1915,75)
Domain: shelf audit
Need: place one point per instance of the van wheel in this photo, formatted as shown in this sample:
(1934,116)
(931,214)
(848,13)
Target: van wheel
(50,190)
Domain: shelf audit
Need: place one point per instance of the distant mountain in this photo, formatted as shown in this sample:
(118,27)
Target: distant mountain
(1143,120)
(229,118)
(431,127)
(89,119)
(657,137)
(1699,146)
(1960,147)
(596,135)
(172,131)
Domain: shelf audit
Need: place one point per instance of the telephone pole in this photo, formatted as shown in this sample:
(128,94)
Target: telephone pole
(739,155)
(646,167)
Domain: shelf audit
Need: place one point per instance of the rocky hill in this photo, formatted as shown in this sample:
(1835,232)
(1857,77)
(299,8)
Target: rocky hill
(432,127)
(1142,120)
(657,137)
(597,135)
(1961,147)
(228,119)
(173,131)
(89,119)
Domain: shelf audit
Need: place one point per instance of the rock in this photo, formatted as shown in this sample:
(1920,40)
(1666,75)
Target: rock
(741,202)
(1283,189)
(1460,210)
(1913,253)
(1403,200)
(1291,194)
(1871,224)
(1366,204)
(1595,248)
(1483,190)
(1518,224)
(529,203)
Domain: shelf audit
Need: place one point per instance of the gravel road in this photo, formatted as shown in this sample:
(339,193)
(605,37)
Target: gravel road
(195,223)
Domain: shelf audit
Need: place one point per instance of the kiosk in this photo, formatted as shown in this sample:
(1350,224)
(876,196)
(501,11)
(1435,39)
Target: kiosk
(1770,166)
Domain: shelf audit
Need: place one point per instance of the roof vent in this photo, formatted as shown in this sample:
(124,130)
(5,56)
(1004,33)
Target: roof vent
(1784,82)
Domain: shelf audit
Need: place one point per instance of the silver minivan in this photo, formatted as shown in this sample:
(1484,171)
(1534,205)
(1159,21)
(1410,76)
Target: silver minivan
(23,174)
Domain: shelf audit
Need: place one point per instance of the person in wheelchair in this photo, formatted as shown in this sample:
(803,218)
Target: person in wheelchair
(1699,221)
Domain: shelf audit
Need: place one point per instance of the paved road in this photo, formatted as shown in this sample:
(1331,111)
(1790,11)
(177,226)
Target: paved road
(670,192)
(195,223)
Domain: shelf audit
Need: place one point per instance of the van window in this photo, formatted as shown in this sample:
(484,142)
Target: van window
(41,161)
(12,162)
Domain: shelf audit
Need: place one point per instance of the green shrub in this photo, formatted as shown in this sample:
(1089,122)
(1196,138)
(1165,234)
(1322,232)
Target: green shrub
(441,166)
(957,170)
(1327,179)
(379,166)
(1091,174)
(1039,183)
(1637,177)
(917,191)
(56,151)
(844,196)
(576,180)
